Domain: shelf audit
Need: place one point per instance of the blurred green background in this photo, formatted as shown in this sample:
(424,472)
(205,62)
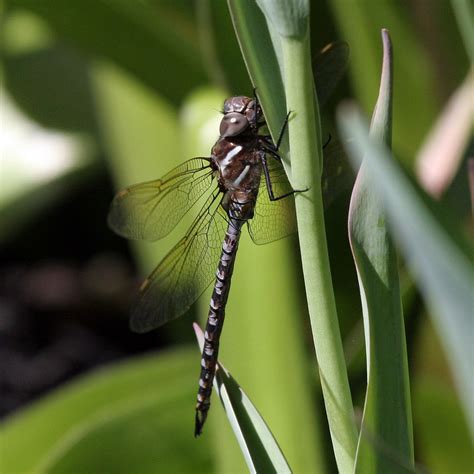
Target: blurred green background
(97,95)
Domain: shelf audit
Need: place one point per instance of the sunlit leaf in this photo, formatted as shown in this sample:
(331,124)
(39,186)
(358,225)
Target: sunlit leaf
(133,416)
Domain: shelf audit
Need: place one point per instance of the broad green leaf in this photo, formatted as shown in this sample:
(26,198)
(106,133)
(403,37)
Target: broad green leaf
(131,416)
(256,441)
(60,96)
(386,439)
(433,246)
(151,40)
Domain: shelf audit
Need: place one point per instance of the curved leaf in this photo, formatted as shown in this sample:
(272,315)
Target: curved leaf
(290,18)
(386,439)
(132,416)
(257,443)
(433,246)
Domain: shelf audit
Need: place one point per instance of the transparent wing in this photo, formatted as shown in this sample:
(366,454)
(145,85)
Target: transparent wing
(338,175)
(273,220)
(329,66)
(188,269)
(149,211)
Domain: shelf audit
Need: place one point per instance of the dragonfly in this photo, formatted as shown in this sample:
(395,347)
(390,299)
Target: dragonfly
(242,183)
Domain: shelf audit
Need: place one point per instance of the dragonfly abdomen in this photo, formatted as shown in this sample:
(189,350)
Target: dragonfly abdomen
(215,321)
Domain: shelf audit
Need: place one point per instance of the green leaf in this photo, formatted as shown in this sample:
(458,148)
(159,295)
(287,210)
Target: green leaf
(289,17)
(155,43)
(465,17)
(220,48)
(437,412)
(433,246)
(256,441)
(305,145)
(133,416)
(60,95)
(386,438)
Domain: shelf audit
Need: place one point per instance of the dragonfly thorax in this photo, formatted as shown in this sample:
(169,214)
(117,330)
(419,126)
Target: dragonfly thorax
(237,165)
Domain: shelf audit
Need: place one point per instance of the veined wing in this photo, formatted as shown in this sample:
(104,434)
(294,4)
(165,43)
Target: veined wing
(338,175)
(329,67)
(149,211)
(273,220)
(183,275)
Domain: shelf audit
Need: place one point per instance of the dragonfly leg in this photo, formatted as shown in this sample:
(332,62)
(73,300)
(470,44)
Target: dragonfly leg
(282,131)
(267,142)
(268,180)
(267,138)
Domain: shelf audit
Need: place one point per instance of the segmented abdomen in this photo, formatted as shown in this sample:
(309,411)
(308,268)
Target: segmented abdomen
(215,321)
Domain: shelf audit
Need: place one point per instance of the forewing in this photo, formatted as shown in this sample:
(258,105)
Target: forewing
(149,211)
(183,275)
(273,220)
(329,66)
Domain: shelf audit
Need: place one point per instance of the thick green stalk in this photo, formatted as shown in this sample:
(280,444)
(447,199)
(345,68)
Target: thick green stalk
(305,145)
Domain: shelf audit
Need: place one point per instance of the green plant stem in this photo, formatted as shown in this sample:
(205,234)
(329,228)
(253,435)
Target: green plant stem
(305,145)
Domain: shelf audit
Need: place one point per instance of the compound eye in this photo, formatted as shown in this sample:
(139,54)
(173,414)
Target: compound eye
(232,124)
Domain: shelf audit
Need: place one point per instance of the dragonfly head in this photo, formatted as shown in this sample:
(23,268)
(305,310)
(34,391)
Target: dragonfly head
(240,113)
